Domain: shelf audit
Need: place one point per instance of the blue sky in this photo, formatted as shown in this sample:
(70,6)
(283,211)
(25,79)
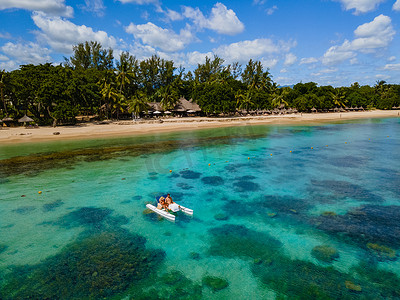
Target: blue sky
(331,42)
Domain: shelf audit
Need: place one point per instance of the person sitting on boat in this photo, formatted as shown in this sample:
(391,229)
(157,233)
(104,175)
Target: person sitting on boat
(161,203)
(168,200)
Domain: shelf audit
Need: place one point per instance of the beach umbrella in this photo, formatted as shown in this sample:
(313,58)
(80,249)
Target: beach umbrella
(25,119)
(7,119)
(191,111)
(157,112)
(167,112)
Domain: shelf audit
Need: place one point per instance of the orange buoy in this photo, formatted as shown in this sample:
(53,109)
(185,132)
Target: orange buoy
(312,147)
(248,158)
(271,154)
(170,171)
(209,164)
(39,192)
(290,151)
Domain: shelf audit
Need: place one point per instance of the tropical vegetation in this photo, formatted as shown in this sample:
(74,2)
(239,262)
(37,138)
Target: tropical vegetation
(94,83)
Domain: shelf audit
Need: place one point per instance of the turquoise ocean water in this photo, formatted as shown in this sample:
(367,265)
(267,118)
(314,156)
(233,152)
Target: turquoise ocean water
(279,212)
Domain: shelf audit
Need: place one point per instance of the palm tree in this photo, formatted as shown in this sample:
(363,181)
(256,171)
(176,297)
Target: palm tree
(108,93)
(168,95)
(137,103)
(2,85)
(279,96)
(243,101)
(380,87)
(338,97)
(122,79)
(118,104)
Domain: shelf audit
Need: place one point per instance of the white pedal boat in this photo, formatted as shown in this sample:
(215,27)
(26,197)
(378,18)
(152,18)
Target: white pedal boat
(174,208)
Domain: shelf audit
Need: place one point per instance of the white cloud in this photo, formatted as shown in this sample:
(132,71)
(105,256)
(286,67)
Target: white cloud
(245,50)
(396,5)
(353,61)
(165,39)
(140,2)
(374,35)
(8,65)
(290,59)
(3,57)
(325,71)
(269,63)
(392,58)
(61,34)
(173,15)
(392,67)
(271,10)
(370,37)
(259,2)
(29,53)
(196,57)
(52,7)
(360,6)
(95,6)
(221,20)
(382,77)
(5,35)
(308,60)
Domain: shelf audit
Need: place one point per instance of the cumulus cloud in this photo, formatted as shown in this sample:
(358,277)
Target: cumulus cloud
(196,57)
(221,19)
(173,15)
(52,7)
(252,49)
(370,37)
(269,63)
(396,5)
(29,53)
(290,59)
(155,36)
(95,6)
(61,34)
(308,60)
(360,6)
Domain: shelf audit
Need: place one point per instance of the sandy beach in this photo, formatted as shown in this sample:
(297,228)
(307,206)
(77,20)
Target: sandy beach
(125,128)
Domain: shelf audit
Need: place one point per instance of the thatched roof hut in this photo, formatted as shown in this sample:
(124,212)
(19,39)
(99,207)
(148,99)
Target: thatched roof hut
(155,106)
(26,119)
(184,105)
(7,119)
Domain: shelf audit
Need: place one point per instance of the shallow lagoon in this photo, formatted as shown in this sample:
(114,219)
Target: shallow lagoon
(295,211)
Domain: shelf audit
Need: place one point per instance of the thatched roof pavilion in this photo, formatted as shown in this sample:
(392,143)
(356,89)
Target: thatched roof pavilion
(155,106)
(184,105)
(26,119)
(7,119)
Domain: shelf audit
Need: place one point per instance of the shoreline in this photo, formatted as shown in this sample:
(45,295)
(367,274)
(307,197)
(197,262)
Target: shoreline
(15,135)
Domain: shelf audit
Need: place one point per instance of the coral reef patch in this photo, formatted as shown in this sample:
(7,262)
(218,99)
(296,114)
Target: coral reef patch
(213,180)
(98,266)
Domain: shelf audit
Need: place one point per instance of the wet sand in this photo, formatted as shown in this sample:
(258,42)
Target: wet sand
(126,128)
